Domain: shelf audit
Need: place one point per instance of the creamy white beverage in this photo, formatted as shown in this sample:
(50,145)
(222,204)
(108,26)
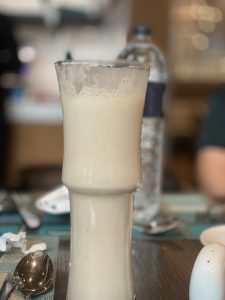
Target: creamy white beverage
(102,112)
(101,251)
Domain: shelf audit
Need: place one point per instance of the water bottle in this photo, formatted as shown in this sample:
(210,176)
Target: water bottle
(142,49)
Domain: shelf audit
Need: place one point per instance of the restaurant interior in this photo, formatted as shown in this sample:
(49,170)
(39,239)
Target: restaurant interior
(34,34)
(190,34)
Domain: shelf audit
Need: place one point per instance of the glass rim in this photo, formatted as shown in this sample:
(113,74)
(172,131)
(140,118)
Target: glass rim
(105,64)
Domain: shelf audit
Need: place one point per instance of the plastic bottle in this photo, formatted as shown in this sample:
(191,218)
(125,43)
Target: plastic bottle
(142,49)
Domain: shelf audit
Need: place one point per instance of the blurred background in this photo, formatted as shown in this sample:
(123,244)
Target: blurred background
(36,33)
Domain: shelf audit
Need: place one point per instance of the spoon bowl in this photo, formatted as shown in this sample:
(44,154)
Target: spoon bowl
(32,276)
(34,273)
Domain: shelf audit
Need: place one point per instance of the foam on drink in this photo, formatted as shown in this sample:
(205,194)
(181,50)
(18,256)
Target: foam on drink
(102,129)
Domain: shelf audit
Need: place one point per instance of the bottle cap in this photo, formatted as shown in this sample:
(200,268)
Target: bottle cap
(142,29)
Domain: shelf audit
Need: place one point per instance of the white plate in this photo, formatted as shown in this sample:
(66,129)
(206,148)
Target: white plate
(215,234)
(55,202)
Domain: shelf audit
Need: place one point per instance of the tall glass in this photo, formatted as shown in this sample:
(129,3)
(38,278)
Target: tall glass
(102,113)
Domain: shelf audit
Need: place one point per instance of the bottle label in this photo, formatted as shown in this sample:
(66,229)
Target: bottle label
(154,99)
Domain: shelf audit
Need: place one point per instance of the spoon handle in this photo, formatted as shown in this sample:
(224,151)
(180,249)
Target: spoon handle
(30,219)
(7,287)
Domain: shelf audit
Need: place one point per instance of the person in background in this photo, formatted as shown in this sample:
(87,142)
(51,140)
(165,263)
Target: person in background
(9,65)
(211,148)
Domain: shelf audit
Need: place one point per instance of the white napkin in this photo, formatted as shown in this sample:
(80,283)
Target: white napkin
(11,240)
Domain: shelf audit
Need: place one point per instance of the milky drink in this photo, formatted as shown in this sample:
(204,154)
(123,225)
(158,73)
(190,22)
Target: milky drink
(102,111)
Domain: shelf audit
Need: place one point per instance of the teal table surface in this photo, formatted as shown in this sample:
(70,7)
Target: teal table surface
(191,208)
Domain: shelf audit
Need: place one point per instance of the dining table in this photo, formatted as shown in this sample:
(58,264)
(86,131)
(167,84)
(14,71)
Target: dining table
(162,264)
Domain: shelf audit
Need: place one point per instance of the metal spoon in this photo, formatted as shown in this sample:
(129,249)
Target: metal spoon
(30,219)
(10,201)
(33,275)
(158,227)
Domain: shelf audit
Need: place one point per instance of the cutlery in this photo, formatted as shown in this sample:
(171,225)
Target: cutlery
(33,275)
(30,219)
(12,200)
(158,227)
